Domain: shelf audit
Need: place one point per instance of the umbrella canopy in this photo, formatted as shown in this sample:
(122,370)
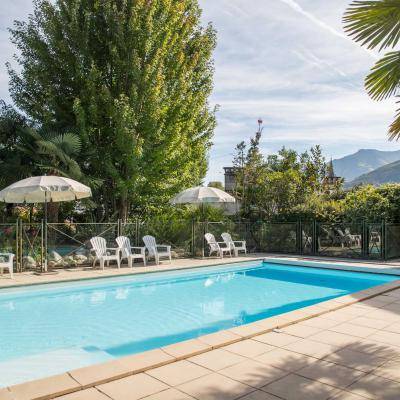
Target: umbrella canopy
(202,195)
(42,189)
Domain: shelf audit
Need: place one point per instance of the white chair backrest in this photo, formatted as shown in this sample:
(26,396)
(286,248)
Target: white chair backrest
(99,245)
(227,238)
(125,245)
(150,243)
(210,238)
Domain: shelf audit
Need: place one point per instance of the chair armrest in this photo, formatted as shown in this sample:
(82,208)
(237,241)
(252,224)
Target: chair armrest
(142,249)
(164,246)
(115,249)
(9,255)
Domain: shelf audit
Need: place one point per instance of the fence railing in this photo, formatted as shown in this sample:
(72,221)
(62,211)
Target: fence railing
(67,245)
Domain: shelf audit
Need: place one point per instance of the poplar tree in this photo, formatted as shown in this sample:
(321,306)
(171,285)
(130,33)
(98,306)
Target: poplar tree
(133,78)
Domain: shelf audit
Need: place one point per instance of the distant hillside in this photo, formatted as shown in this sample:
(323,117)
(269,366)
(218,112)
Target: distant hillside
(363,162)
(389,173)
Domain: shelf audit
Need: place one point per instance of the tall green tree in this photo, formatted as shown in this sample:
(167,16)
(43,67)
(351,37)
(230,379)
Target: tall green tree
(133,77)
(376,25)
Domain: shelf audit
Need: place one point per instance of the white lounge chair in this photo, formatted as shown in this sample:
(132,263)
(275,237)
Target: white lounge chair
(157,250)
(102,252)
(125,249)
(215,246)
(235,245)
(7,262)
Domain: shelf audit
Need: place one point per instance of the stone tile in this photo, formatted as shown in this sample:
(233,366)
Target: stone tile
(276,339)
(294,387)
(217,359)
(247,330)
(379,349)
(187,348)
(301,331)
(344,395)
(169,394)
(354,359)
(178,372)
(386,337)
(389,370)
(133,387)
(253,373)
(331,374)
(334,338)
(274,322)
(87,394)
(354,330)
(385,315)
(248,348)
(55,385)
(285,359)
(320,322)
(149,359)
(220,338)
(338,316)
(215,387)
(5,394)
(376,387)
(369,322)
(100,373)
(311,348)
(259,395)
(395,328)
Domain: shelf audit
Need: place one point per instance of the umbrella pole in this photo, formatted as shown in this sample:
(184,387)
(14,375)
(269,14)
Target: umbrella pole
(45,232)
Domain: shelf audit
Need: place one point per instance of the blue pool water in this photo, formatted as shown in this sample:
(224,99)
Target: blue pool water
(48,329)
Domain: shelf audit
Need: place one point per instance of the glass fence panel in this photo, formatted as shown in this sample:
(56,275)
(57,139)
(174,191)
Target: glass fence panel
(375,240)
(306,237)
(279,237)
(31,246)
(392,241)
(68,244)
(175,233)
(340,240)
(8,241)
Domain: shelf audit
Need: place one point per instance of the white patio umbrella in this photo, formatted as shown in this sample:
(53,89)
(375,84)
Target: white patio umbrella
(202,195)
(44,189)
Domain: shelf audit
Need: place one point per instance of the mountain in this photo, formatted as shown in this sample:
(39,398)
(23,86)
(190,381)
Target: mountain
(363,162)
(389,173)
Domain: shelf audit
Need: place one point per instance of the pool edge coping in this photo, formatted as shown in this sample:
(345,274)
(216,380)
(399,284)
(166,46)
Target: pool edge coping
(74,380)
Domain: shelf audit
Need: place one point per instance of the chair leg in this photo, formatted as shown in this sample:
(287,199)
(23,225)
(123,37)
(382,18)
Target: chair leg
(119,263)
(170,258)
(102,263)
(130,262)
(144,261)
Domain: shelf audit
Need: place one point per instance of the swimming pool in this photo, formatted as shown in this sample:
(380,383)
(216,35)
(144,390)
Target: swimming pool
(48,329)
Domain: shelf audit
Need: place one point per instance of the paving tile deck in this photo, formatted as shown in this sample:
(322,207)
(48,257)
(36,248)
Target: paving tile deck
(350,353)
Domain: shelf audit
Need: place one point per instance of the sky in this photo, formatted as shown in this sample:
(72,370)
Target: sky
(288,62)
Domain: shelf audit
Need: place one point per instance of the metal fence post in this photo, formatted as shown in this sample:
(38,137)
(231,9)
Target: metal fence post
(384,241)
(314,247)
(299,237)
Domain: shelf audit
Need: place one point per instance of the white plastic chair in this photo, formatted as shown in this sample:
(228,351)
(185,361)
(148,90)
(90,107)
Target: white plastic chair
(102,252)
(215,246)
(235,245)
(7,264)
(125,249)
(155,250)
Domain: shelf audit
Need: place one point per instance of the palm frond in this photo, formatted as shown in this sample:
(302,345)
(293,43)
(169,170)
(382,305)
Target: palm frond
(373,22)
(394,129)
(69,142)
(384,79)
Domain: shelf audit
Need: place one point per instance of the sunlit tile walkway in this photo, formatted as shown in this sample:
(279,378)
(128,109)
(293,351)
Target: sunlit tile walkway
(349,354)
